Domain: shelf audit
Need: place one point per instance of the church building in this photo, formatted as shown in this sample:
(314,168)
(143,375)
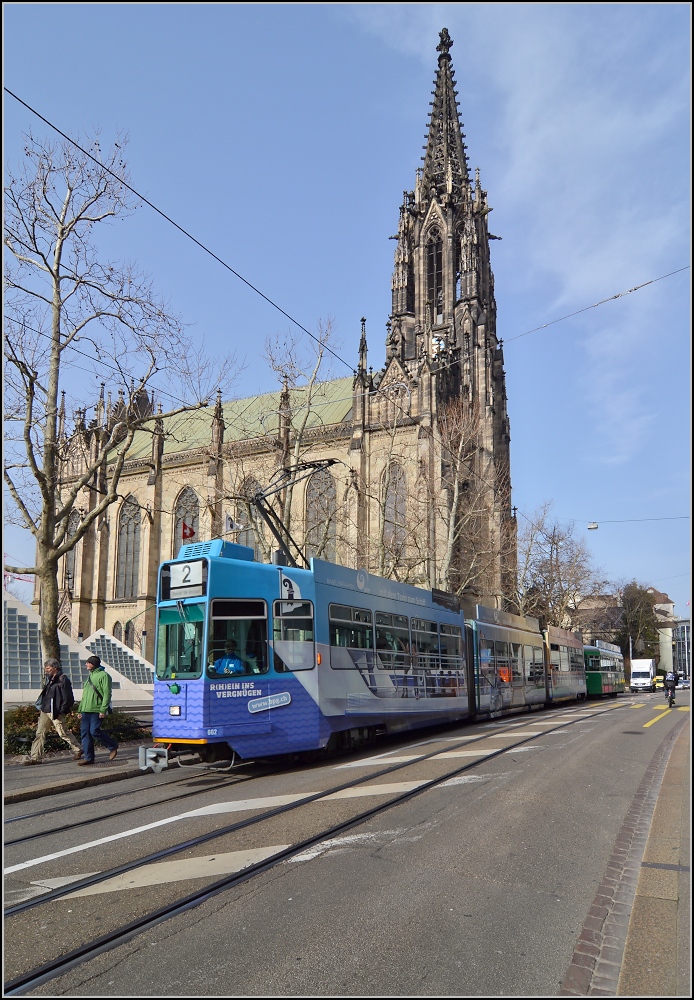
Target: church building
(418,484)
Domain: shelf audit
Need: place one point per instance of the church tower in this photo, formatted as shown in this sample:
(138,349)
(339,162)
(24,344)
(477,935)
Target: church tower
(444,311)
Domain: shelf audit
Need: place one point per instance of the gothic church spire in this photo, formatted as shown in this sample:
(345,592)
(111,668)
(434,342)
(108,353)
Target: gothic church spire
(445,161)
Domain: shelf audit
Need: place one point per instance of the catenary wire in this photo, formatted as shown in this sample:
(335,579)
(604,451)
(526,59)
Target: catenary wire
(180,228)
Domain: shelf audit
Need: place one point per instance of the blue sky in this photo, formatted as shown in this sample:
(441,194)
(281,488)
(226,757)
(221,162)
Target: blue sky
(283,135)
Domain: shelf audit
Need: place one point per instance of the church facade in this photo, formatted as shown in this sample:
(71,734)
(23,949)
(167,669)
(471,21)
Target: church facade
(418,484)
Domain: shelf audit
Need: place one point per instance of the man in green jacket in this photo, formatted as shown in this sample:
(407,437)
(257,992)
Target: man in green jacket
(96,699)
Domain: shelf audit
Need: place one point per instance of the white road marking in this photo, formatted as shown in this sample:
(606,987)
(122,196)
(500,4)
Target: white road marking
(349,841)
(524,732)
(468,753)
(355,793)
(58,883)
(374,761)
(468,779)
(165,872)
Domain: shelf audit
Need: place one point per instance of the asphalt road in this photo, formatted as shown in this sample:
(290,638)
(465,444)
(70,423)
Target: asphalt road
(481,887)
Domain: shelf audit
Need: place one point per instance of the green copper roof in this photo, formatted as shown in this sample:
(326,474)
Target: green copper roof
(253,417)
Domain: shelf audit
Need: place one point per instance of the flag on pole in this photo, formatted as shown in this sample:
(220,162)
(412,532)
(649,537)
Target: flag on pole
(231,525)
(186,531)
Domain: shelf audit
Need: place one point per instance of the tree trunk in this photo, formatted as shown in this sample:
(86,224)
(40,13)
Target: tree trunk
(49,608)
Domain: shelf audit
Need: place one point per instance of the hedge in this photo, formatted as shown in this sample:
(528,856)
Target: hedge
(20,729)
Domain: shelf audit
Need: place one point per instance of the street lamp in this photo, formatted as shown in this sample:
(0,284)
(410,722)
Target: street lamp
(593,526)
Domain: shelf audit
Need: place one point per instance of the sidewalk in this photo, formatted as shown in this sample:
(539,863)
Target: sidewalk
(59,773)
(658,947)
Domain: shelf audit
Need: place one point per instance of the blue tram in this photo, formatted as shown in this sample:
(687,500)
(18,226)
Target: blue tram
(270,660)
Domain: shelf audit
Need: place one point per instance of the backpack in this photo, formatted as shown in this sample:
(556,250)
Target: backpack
(669,676)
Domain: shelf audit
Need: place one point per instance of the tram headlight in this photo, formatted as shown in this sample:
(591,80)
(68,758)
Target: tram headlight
(174,709)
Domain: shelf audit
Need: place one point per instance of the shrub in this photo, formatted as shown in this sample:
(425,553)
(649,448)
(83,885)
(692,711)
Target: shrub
(20,729)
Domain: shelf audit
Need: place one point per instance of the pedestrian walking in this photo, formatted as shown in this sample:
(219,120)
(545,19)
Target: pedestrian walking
(54,703)
(94,706)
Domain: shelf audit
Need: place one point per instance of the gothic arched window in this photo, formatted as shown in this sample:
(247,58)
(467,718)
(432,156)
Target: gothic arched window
(118,631)
(186,519)
(73,524)
(434,255)
(247,516)
(394,513)
(321,516)
(129,635)
(128,571)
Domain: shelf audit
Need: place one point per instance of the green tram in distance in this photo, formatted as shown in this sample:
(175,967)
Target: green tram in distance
(604,669)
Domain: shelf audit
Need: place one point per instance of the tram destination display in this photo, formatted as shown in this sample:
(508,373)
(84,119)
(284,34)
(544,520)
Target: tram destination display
(185,579)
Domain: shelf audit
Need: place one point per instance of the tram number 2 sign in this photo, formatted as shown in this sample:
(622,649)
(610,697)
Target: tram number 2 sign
(187,579)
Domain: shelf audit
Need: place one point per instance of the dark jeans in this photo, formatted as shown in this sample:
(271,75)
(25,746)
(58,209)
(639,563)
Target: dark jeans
(91,730)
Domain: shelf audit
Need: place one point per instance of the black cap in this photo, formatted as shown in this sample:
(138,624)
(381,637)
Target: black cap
(96,660)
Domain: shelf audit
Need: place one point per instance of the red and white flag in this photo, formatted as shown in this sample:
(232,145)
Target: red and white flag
(186,531)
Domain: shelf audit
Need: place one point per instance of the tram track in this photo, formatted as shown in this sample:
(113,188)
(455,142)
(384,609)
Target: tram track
(119,935)
(114,815)
(76,805)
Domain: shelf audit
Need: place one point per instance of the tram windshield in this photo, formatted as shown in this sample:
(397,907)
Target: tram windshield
(180,636)
(237,638)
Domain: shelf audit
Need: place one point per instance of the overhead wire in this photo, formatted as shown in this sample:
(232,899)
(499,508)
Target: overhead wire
(180,228)
(595,305)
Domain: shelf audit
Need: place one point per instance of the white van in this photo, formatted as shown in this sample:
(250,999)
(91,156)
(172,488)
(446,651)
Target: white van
(642,675)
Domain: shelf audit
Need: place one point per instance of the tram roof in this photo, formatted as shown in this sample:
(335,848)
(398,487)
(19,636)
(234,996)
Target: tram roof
(248,419)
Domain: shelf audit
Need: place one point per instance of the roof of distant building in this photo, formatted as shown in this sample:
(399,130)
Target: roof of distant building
(659,597)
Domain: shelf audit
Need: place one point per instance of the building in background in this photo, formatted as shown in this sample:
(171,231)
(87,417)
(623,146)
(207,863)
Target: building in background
(665,613)
(682,647)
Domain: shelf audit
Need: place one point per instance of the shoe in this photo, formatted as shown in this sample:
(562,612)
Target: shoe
(113,754)
(78,754)
(81,763)
(31,760)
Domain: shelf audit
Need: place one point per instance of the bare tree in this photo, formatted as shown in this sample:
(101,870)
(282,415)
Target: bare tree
(555,578)
(67,307)
(303,371)
(468,505)
(398,544)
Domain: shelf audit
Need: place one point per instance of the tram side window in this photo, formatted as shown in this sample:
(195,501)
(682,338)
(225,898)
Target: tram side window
(528,665)
(451,638)
(576,658)
(503,664)
(293,635)
(486,654)
(350,628)
(564,658)
(593,661)
(425,643)
(534,665)
(180,636)
(554,657)
(238,638)
(392,641)
(516,662)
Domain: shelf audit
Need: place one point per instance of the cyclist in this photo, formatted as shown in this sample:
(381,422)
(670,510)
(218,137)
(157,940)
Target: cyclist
(670,683)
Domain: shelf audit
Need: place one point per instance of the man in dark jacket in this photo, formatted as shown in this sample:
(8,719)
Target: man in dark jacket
(56,700)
